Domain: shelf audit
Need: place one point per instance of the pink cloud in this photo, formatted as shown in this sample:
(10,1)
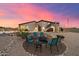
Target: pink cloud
(2,13)
(31,12)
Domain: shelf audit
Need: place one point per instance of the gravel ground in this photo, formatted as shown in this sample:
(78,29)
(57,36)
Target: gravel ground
(12,45)
(72,43)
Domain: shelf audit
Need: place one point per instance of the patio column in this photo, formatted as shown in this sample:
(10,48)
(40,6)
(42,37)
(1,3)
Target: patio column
(36,29)
(43,29)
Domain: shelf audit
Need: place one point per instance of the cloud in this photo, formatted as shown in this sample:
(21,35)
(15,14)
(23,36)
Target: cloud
(2,13)
(31,12)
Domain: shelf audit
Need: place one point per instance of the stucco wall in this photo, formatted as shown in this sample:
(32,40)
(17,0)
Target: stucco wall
(29,26)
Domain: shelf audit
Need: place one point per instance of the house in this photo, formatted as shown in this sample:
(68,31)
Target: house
(42,25)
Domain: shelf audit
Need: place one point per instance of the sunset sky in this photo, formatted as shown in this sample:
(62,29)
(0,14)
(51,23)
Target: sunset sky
(13,14)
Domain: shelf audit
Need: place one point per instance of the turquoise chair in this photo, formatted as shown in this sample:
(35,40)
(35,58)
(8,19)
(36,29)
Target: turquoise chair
(53,42)
(41,34)
(38,45)
(60,38)
(29,40)
(43,38)
(35,33)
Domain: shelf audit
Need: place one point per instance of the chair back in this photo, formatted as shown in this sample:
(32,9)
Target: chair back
(60,38)
(29,39)
(53,41)
(41,34)
(35,33)
(38,41)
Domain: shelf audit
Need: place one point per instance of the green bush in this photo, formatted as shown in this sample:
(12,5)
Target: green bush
(24,34)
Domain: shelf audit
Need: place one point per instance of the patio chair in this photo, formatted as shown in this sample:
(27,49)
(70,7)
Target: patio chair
(43,40)
(38,44)
(53,42)
(29,40)
(41,34)
(35,33)
(60,38)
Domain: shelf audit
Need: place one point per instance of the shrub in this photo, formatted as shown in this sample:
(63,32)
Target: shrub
(24,34)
